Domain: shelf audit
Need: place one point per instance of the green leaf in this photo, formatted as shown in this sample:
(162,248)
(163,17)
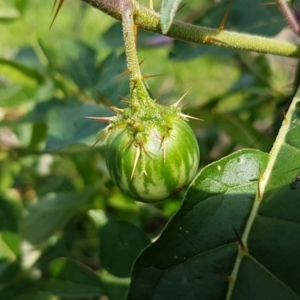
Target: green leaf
(66,122)
(248,16)
(8,13)
(80,63)
(113,37)
(236,234)
(187,260)
(245,16)
(121,243)
(69,278)
(20,72)
(9,227)
(273,226)
(115,288)
(109,87)
(167,11)
(21,5)
(51,213)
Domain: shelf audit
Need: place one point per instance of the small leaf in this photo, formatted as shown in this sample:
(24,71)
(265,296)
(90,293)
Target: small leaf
(8,13)
(20,72)
(51,213)
(69,278)
(66,121)
(168,10)
(21,5)
(121,243)
(9,228)
(114,287)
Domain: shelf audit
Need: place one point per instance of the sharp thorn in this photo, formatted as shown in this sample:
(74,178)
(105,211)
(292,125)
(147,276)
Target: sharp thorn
(151,76)
(157,97)
(61,2)
(124,99)
(142,61)
(180,7)
(284,117)
(53,6)
(239,239)
(102,133)
(184,116)
(101,119)
(127,71)
(163,146)
(136,159)
(179,100)
(225,275)
(213,40)
(223,22)
(115,109)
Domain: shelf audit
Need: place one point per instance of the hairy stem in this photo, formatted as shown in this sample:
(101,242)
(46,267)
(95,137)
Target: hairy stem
(289,15)
(138,92)
(129,41)
(150,20)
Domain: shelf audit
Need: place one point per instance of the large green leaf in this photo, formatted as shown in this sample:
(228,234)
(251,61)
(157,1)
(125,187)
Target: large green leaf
(236,234)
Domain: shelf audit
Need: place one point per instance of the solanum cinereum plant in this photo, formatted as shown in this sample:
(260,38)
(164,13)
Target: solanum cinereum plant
(151,152)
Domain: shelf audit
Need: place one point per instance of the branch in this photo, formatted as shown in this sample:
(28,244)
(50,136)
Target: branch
(150,20)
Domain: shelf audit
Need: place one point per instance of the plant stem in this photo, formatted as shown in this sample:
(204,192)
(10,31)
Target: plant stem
(138,92)
(289,15)
(129,41)
(150,20)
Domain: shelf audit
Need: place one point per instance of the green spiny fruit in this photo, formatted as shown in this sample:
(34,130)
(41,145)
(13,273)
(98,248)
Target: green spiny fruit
(151,151)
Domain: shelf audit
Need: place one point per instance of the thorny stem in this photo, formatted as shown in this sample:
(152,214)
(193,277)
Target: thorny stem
(150,20)
(138,91)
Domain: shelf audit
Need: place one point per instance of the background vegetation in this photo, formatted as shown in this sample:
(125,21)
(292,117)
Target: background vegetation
(66,231)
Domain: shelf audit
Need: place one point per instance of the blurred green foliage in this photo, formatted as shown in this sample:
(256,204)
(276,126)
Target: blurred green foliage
(66,231)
